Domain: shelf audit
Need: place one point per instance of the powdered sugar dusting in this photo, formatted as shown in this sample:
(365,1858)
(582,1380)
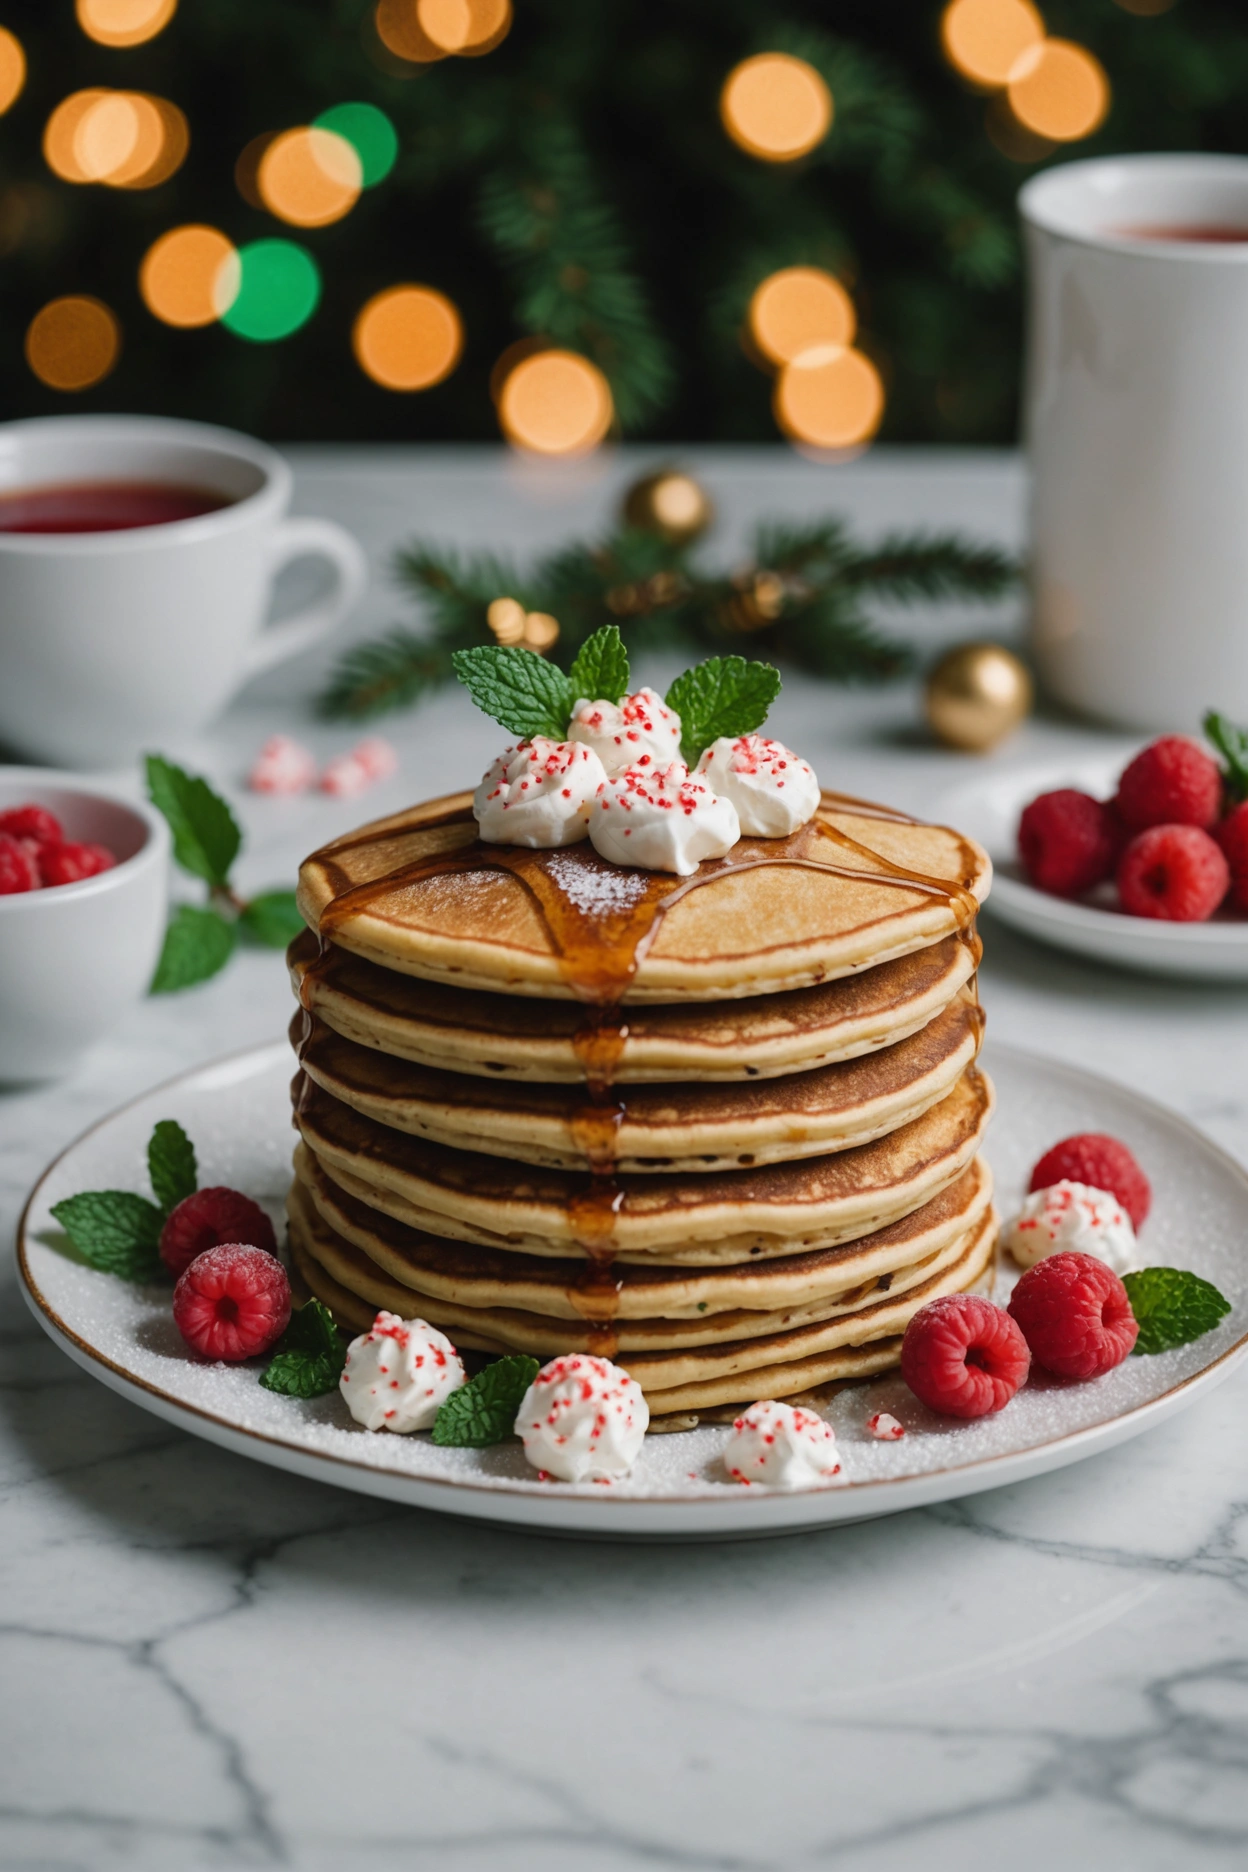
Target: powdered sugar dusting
(596,893)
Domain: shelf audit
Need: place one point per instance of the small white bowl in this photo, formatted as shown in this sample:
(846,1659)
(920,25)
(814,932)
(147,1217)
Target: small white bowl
(76,958)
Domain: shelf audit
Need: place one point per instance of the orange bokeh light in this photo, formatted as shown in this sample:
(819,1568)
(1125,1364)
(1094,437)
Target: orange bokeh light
(125,139)
(73,343)
(400,31)
(555,403)
(984,39)
(124,22)
(798,308)
(831,398)
(466,27)
(408,337)
(12,70)
(189,276)
(309,177)
(776,107)
(1059,90)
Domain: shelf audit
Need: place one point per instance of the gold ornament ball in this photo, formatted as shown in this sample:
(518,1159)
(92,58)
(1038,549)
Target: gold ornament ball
(671,504)
(977,694)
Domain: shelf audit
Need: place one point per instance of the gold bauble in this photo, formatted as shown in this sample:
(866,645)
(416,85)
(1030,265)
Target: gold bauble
(671,504)
(977,694)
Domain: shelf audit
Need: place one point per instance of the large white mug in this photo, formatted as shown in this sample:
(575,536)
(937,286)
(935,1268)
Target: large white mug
(115,642)
(1137,430)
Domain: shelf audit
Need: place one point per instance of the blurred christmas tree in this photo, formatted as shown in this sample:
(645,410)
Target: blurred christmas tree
(629,184)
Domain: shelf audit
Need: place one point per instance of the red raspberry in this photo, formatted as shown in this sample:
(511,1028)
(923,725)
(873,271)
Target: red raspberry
(208,1218)
(963,1356)
(1232,836)
(232,1302)
(32,822)
(1101,1162)
(66,863)
(1172,782)
(1075,1315)
(1067,841)
(18,870)
(1173,871)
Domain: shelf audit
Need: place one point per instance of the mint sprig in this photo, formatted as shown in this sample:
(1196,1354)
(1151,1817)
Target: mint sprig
(1172,1307)
(722,696)
(309,1356)
(484,1410)
(1232,744)
(198,944)
(522,691)
(114,1230)
(272,919)
(599,671)
(206,838)
(171,1164)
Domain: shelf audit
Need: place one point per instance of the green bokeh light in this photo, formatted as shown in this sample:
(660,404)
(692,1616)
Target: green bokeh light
(369,132)
(279,288)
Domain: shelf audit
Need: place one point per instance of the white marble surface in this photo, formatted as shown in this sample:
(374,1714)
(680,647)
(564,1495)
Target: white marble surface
(210,1665)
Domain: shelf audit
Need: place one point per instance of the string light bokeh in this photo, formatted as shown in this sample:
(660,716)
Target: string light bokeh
(12,70)
(73,342)
(984,39)
(1052,90)
(124,22)
(1059,90)
(408,337)
(776,107)
(279,288)
(190,276)
(831,398)
(309,177)
(555,403)
(122,139)
(421,32)
(796,309)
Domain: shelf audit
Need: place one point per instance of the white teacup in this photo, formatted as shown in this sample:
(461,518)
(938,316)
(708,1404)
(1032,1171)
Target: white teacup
(1137,429)
(115,642)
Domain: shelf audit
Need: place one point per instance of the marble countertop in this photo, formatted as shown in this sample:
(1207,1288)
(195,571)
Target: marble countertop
(209,1664)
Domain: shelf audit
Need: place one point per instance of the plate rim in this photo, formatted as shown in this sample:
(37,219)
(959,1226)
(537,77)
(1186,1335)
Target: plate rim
(548,1505)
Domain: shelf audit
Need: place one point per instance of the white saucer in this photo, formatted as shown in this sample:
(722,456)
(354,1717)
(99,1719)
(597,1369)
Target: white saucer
(237,1112)
(989,807)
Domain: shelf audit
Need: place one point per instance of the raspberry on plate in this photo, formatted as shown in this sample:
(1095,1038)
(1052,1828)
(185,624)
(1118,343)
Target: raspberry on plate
(964,1356)
(1067,841)
(1103,1163)
(232,1302)
(208,1218)
(1175,872)
(1171,782)
(1074,1313)
(1232,836)
(63,862)
(32,822)
(18,870)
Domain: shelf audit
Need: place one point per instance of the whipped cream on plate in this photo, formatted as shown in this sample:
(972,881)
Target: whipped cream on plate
(640,731)
(663,819)
(1072,1218)
(582,1419)
(538,794)
(399,1374)
(783,1447)
(773,789)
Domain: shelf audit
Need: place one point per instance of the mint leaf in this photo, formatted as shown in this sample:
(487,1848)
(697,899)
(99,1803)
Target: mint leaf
(599,671)
(1232,744)
(484,1410)
(520,689)
(722,696)
(114,1230)
(171,1164)
(1172,1307)
(198,943)
(206,837)
(272,919)
(310,1354)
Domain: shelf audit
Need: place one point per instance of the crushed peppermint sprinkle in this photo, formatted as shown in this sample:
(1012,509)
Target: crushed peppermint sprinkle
(885,1428)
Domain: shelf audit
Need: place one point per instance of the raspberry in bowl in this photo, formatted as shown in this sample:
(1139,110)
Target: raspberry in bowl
(79,936)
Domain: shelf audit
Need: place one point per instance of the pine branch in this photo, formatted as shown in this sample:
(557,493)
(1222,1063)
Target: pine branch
(389,673)
(910,567)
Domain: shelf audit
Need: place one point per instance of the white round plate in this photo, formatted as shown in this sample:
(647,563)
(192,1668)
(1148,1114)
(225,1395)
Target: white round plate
(237,1112)
(988,808)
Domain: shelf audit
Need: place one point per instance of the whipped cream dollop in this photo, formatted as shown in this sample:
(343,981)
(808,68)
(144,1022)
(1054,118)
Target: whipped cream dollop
(1072,1218)
(582,1419)
(773,789)
(640,731)
(399,1373)
(538,794)
(783,1447)
(663,819)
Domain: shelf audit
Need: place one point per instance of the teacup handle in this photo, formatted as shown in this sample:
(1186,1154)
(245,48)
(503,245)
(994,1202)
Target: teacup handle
(310,539)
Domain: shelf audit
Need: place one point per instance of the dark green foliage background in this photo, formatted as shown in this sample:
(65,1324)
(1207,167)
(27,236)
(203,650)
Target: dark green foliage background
(576,183)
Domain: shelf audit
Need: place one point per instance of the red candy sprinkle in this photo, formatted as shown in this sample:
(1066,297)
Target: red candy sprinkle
(18,870)
(1102,1163)
(66,863)
(1171,782)
(1175,872)
(32,822)
(964,1356)
(1068,842)
(1074,1313)
(209,1218)
(232,1302)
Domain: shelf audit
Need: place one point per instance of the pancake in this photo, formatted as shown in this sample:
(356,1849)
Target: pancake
(436,1269)
(648,1130)
(686,1219)
(418,893)
(511,1038)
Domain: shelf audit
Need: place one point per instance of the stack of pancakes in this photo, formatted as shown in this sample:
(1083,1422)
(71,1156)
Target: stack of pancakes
(722,1130)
